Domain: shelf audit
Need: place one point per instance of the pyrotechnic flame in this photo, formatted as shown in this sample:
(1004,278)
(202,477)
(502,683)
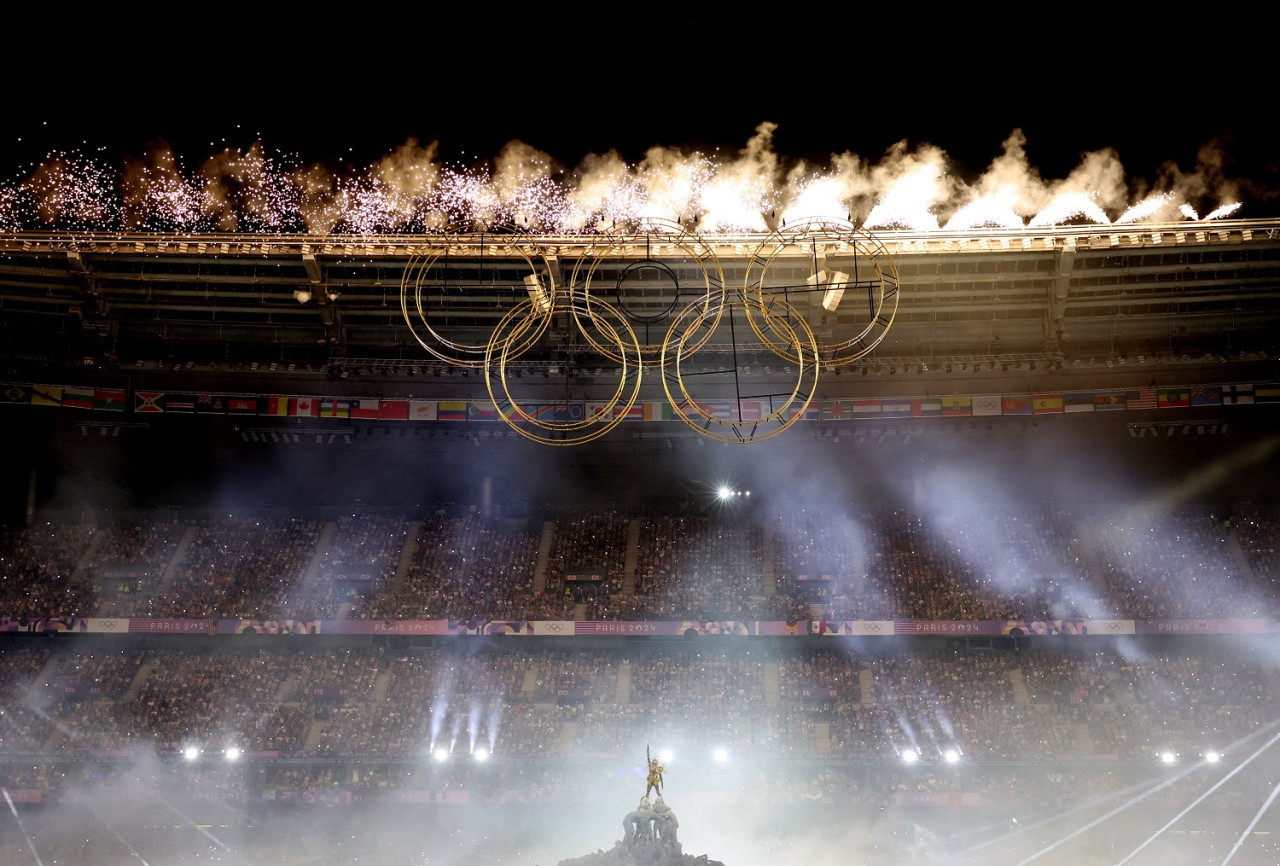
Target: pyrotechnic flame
(995,210)
(1070,206)
(410,190)
(1225,211)
(1144,209)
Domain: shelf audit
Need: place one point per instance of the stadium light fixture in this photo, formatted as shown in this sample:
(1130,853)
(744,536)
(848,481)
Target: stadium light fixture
(232,753)
(951,756)
(724,493)
(1212,757)
(1168,757)
(440,754)
(721,754)
(302,295)
(191,753)
(910,756)
(481,754)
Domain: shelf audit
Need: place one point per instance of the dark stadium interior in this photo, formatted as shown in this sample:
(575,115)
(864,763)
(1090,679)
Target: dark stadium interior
(283,581)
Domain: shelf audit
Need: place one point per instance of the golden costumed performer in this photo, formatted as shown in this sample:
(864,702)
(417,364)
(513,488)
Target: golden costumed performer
(654,780)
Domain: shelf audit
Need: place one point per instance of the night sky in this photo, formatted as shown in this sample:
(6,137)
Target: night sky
(330,86)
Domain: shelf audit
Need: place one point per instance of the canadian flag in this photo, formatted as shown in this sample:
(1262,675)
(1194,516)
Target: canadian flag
(308,407)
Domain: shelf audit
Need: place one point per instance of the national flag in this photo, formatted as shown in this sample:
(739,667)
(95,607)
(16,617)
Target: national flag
(986,404)
(180,403)
(276,406)
(1176,397)
(577,411)
(543,411)
(835,410)
(393,410)
(1206,395)
(701,410)
(635,412)
(653,411)
(77,398)
(46,395)
(1018,404)
(451,410)
(1237,395)
(422,410)
(304,407)
(477,411)
(721,410)
(811,411)
(957,406)
(1109,401)
(1078,401)
(895,407)
(926,407)
(109,399)
(1046,404)
(367,409)
(748,410)
(242,405)
(1142,398)
(1268,393)
(211,404)
(334,407)
(598,408)
(15,394)
(866,408)
(148,401)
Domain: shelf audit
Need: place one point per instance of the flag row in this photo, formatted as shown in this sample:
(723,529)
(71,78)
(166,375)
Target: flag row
(394,409)
(1052,402)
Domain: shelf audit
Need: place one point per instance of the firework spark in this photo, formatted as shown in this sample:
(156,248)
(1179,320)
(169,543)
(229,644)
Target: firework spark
(410,190)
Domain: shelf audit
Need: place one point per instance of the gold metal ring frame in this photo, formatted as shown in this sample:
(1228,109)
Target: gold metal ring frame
(831,245)
(637,249)
(428,269)
(505,348)
(783,412)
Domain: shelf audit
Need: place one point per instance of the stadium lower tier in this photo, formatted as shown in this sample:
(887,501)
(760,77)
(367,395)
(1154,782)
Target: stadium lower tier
(116,697)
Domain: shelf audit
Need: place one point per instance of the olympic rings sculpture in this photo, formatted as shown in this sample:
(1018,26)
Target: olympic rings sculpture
(455,285)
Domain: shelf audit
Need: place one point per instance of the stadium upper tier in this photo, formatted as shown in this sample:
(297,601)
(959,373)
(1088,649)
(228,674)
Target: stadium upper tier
(1024,564)
(1055,295)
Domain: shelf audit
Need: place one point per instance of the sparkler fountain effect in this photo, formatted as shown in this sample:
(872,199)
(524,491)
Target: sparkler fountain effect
(410,190)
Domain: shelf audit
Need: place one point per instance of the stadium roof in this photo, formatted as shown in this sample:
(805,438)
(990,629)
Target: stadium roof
(979,300)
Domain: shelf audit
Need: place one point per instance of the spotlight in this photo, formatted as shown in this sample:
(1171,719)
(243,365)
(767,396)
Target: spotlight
(232,753)
(537,293)
(302,295)
(1168,757)
(721,754)
(666,755)
(1212,757)
(950,756)
(724,493)
(910,756)
(481,754)
(440,754)
(191,753)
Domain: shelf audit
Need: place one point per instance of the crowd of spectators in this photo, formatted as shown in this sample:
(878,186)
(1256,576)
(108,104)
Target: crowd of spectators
(701,568)
(468,567)
(590,544)
(1175,564)
(1030,564)
(37,566)
(531,702)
